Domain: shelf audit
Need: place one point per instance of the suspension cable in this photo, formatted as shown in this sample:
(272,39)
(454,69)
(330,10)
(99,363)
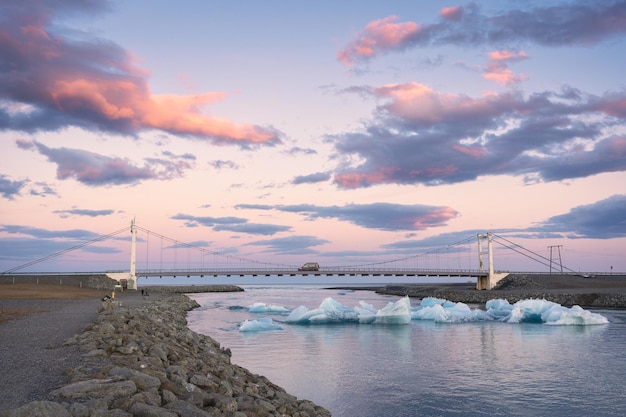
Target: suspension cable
(64,251)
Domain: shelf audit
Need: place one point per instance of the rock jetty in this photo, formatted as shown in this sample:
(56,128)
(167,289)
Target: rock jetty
(143,361)
(567,290)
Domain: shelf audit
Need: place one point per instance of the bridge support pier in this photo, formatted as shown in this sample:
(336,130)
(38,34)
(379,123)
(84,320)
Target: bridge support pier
(132,278)
(491,280)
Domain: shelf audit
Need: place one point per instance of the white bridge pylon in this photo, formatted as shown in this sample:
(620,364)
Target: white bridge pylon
(492,278)
(131,277)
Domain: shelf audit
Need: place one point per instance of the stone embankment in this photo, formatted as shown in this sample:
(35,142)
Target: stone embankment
(189,289)
(143,361)
(606,292)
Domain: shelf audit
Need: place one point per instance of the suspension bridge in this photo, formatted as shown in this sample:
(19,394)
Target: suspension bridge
(201,262)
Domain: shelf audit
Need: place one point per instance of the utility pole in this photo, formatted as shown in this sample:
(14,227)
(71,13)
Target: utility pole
(558,248)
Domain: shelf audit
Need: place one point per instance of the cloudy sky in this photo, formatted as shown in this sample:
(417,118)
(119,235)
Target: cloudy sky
(285,132)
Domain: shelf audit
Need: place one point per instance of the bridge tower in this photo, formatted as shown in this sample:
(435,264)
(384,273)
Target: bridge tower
(132,278)
(492,278)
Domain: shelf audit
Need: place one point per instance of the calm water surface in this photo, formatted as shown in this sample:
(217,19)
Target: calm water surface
(424,368)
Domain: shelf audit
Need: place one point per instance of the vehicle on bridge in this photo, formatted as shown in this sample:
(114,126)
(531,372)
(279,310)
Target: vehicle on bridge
(310,266)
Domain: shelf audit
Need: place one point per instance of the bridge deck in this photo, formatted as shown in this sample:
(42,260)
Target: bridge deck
(321,272)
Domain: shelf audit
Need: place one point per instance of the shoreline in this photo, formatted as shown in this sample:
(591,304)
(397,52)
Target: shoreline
(140,358)
(568,290)
(137,351)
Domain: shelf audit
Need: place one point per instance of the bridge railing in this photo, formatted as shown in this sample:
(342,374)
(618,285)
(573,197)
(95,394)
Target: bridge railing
(296,271)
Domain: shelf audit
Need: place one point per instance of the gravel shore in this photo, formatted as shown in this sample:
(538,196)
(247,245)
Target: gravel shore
(131,356)
(33,360)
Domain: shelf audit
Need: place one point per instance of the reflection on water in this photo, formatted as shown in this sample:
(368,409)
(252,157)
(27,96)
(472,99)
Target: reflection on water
(424,368)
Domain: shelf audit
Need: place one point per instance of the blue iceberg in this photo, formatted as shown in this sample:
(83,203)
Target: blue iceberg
(331,311)
(543,311)
(262,324)
(524,311)
(444,311)
(267,308)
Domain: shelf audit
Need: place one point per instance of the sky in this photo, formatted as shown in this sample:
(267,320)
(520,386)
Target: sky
(284,132)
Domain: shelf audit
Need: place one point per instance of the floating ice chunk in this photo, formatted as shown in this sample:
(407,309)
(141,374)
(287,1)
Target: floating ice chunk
(366,312)
(395,313)
(261,324)
(443,311)
(428,312)
(461,313)
(543,311)
(267,308)
(329,311)
(575,315)
(498,308)
(432,301)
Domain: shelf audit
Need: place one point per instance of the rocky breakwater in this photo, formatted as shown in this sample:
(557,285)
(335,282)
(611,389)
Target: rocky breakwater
(143,361)
(567,290)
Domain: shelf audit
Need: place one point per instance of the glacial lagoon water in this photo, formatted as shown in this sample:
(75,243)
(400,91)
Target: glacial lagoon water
(354,353)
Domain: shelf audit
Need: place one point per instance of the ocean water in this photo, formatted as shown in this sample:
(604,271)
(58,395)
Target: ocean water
(457,362)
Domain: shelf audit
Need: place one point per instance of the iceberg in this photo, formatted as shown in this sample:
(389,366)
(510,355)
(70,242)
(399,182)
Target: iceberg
(395,313)
(523,311)
(261,324)
(331,311)
(444,311)
(366,312)
(548,312)
(267,308)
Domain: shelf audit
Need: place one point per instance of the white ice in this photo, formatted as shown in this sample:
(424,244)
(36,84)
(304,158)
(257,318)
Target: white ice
(435,309)
(542,311)
(261,324)
(444,311)
(267,308)
(331,311)
(524,311)
(395,313)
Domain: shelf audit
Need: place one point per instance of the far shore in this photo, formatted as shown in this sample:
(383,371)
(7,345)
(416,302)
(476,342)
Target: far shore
(607,291)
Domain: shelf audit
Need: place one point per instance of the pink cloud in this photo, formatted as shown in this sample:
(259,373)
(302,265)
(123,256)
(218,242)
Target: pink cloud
(95,84)
(421,104)
(435,218)
(498,70)
(452,13)
(358,179)
(378,36)
(578,23)
(504,55)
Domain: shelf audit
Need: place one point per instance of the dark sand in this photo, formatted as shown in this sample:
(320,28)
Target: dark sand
(34,324)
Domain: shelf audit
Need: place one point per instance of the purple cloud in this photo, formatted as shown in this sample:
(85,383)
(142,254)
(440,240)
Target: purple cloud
(421,136)
(311,178)
(578,23)
(9,189)
(604,219)
(94,170)
(232,224)
(381,216)
(293,245)
(83,212)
